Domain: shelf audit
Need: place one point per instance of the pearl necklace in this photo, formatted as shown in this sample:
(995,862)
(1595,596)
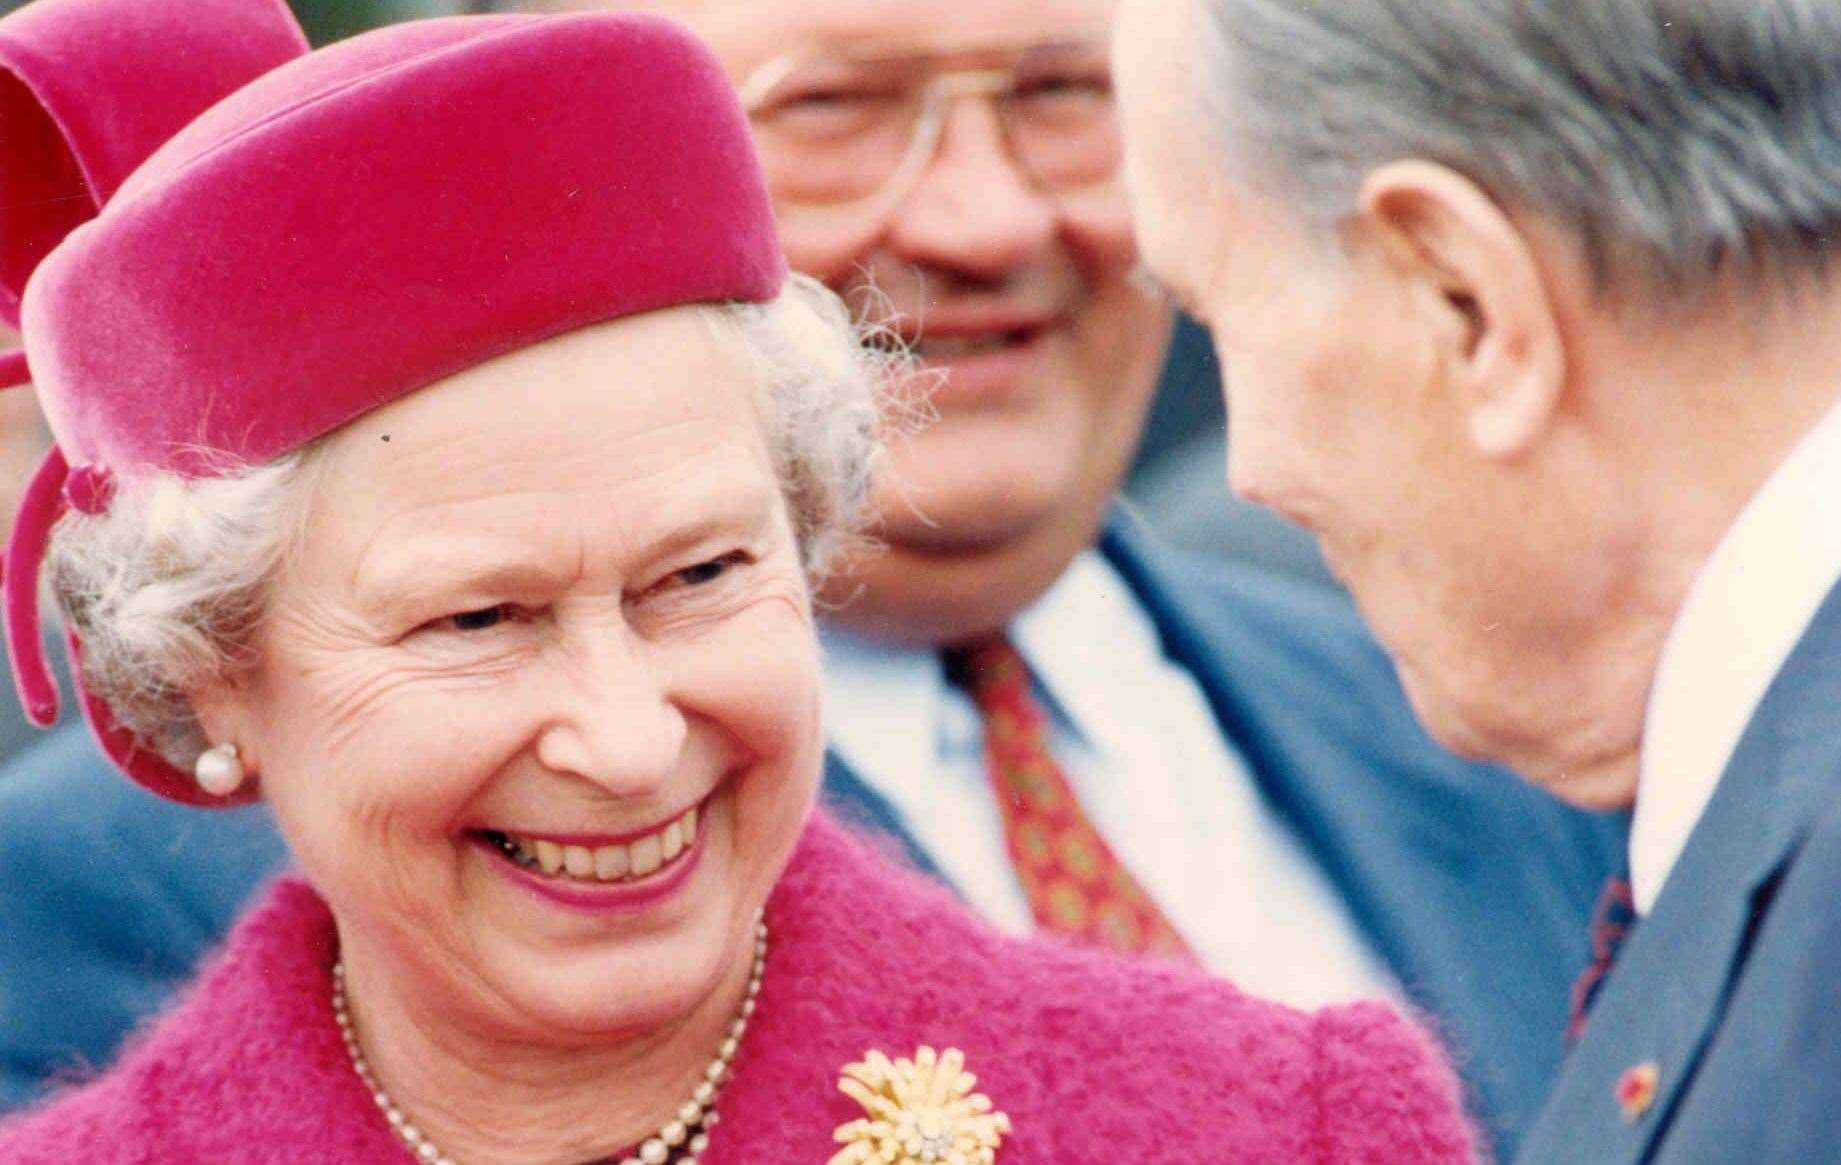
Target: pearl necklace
(680,1140)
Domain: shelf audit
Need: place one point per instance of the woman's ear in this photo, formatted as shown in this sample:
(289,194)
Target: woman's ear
(222,708)
(1500,340)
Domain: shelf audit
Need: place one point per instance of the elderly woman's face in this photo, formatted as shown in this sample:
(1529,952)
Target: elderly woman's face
(536,705)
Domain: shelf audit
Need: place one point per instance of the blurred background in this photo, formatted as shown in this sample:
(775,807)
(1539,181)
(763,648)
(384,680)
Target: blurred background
(1178,483)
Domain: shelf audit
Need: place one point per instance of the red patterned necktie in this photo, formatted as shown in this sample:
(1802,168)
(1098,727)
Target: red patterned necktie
(1074,882)
(1611,923)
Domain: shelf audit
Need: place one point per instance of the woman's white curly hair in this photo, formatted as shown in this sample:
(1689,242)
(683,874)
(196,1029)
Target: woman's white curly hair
(166,587)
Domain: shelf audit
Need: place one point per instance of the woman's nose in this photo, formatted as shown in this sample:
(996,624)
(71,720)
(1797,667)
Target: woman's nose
(612,720)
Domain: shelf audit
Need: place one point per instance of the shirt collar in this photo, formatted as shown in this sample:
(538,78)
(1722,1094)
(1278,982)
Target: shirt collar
(1080,668)
(1743,616)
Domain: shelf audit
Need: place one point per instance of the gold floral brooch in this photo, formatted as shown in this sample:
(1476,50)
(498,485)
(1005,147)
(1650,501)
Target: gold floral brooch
(921,1112)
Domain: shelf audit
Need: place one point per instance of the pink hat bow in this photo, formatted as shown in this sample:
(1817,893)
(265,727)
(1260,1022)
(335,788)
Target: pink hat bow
(89,89)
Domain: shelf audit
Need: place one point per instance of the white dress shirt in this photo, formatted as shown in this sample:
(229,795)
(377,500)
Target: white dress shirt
(1743,617)
(1146,758)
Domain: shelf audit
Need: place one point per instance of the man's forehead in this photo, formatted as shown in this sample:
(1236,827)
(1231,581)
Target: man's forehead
(748,32)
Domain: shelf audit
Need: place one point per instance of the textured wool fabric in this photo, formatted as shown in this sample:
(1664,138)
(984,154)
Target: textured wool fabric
(1093,1058)
(336,232)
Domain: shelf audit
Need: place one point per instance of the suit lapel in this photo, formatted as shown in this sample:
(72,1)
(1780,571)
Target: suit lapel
(1664,1000)
(1221,660)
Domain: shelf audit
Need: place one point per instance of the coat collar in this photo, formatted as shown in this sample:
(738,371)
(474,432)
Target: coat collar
(1662,1002)
(1749,606)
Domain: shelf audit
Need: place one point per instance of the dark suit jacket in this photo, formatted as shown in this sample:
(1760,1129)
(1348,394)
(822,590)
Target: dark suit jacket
(1731,987)
(1475,888)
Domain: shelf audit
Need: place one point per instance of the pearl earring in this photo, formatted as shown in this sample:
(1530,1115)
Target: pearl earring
(218,771)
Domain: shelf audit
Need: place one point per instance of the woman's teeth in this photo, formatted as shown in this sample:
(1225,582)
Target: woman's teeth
(604,863)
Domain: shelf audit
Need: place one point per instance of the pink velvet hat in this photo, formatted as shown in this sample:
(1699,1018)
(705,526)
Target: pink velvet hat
(219,246)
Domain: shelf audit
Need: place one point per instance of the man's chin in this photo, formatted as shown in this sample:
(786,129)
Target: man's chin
(1440,717)
(965,522)
(1590,779)
(958,575)
(953,539)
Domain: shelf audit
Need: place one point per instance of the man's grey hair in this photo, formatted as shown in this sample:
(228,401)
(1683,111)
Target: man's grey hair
(167,587)
(1676,138)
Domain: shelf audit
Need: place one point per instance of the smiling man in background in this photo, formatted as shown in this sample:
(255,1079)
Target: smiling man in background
(1528,308)
(1190,760)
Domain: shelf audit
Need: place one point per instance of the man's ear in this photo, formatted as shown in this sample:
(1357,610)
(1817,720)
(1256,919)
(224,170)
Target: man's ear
(1501,340)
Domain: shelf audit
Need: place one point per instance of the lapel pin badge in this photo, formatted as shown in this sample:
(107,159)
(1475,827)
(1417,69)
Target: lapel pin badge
(1636,1089)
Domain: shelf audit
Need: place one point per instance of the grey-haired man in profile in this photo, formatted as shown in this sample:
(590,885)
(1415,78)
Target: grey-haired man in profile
(1528,309)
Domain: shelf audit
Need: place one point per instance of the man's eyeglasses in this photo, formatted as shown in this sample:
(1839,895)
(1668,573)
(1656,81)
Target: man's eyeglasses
(835,130)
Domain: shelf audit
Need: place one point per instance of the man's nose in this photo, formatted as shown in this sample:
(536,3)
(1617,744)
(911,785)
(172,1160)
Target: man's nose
(973,209)
(612,719)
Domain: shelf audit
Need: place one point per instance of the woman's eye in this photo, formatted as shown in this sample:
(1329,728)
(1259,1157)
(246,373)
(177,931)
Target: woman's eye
(483,619)
(705,573)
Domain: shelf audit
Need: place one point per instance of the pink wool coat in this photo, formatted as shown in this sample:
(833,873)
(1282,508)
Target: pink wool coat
(1094,1059)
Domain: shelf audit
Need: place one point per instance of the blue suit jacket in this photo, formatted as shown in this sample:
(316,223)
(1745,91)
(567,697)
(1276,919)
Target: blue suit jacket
(1475,888)
(1731,986)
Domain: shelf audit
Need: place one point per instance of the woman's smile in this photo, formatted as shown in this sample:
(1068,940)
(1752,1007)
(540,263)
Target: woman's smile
(600,872)
(590,859)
